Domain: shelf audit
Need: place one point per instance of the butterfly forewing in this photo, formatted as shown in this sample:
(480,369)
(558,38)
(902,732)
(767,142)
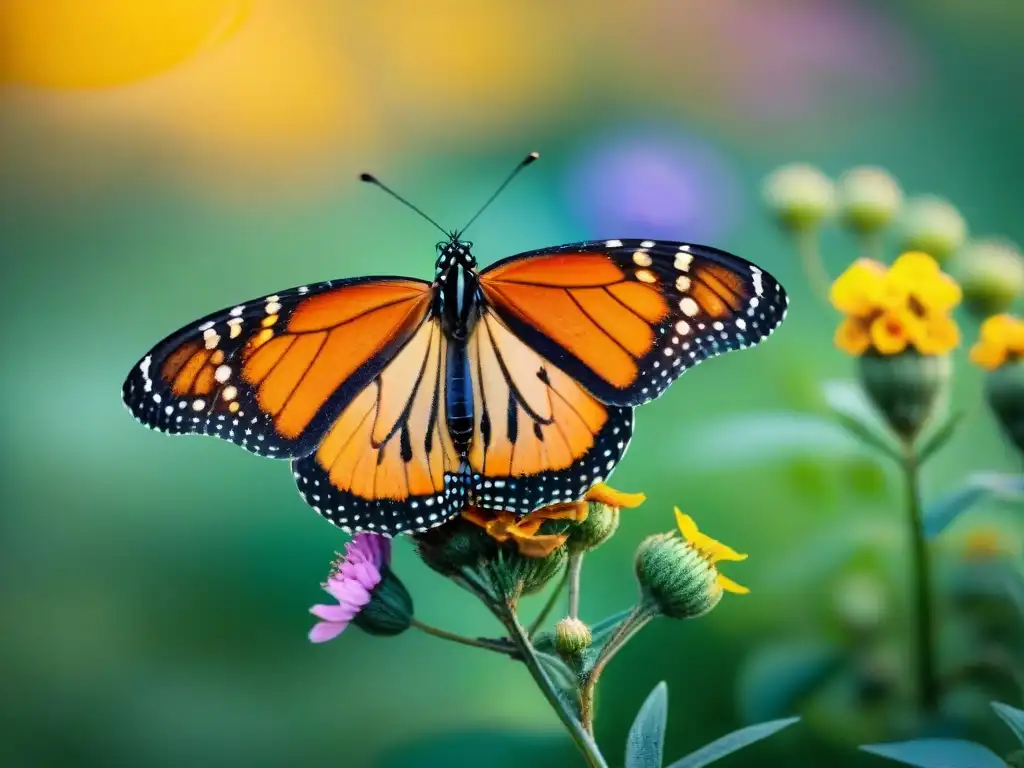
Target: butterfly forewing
(626,318)
(270,374)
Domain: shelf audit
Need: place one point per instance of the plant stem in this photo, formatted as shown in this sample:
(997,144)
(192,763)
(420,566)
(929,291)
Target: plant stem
(498,646)
(572,571)
(924,638)
(581,736)
(548,606)
(632,624)
(810,258)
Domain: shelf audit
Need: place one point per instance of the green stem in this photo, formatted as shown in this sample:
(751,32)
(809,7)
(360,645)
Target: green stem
(632,624)
(924,629)
(498,646)
(814,268)
(572,571)
(581,736)
(548,606)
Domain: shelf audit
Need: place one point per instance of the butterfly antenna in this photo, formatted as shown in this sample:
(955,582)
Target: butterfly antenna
(525,162)
(369,178)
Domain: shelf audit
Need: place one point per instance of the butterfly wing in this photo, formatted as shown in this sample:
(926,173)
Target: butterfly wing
(272,373)
(625,318)
(387,463)
(539,437)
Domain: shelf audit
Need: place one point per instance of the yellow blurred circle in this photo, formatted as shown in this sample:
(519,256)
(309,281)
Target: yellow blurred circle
(98,43)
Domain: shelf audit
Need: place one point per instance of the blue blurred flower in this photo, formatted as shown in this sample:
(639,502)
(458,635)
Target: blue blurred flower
(651,184)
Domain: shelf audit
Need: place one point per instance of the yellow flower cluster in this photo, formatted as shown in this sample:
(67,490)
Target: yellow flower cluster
(1002,341)
(890,309)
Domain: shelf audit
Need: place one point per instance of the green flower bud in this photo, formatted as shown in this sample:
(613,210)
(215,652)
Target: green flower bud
(1004,388)
(455,545)
(572,637)
(800,196)
(602,521)
(535,572)
(389,611)
(1015,759)
(991,274)
(933,225)
(675,580)
(869,198)
(906,388)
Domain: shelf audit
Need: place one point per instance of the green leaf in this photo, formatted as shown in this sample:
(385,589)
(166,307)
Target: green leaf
(1013,717)
(852,409)
(938,753)
(940,436)
(732,742)
(979,486)
(777,678)
(560,674)
(646,741)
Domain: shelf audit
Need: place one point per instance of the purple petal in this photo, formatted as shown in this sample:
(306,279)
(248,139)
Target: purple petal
(349,592)
(326,630)
(337,613)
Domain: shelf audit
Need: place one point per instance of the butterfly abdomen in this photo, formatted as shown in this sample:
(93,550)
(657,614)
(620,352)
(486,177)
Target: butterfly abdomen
(459,396)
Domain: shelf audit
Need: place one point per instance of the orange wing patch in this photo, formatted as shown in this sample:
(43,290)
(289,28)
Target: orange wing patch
(392,441)
(586,304)
(327,339)
(530,416)
(718,291)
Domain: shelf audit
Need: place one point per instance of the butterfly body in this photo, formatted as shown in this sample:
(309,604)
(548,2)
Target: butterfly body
(400,401)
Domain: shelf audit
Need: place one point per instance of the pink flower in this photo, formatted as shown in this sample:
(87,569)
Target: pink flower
(353,579)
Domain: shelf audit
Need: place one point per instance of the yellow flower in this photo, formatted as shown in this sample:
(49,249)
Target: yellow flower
(857,291)
(1002,340)
(711,550)
(937,335)
(925,282)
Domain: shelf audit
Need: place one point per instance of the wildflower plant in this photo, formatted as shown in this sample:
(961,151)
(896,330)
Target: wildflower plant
(898,320)
(501,560)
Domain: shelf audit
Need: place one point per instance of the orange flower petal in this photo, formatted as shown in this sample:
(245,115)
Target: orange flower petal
(574,510)
(539,546)
(938,335)
(852,336)
(988,355)
(476,516)
(890,333)
(605,494)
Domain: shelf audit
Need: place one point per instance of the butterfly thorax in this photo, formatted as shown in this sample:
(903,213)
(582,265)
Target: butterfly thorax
(457,300)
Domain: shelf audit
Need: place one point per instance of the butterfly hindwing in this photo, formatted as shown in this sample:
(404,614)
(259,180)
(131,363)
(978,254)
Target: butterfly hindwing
(539,437)
(625,318)
(270,373)
(386,463)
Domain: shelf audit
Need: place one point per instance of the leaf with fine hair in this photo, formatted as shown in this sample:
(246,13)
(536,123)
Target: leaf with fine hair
(646,741)
(732,742)
(937,753)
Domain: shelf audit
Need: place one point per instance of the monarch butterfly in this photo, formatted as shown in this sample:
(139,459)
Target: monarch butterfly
(399,401)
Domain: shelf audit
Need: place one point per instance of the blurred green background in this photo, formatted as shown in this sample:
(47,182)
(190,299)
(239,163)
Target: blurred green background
(158,161)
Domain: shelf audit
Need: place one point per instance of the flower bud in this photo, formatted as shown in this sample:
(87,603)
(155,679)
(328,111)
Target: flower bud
(572,637)
(800,196)
(535,572)
(455,545)
(1004,388)
(602,521)
(934,226)
(1015,759)
(991,274)
(389,611)
(906,388)
(676,581)
(869,198)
